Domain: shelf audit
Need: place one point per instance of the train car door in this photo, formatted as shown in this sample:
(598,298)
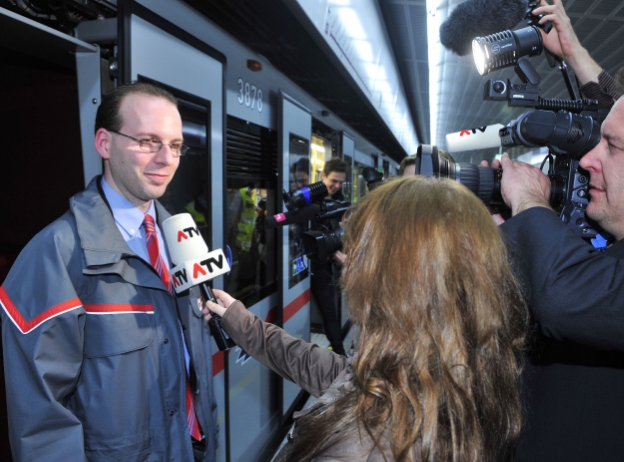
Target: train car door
(348,154)
(156,50)
(295,132)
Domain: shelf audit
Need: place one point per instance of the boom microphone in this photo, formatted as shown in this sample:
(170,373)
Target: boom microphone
(303,215)
(195,266)
(479,18)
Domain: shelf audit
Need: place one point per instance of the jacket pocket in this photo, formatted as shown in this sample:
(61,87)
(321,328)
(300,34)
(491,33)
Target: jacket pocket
(131,447)
(117,328)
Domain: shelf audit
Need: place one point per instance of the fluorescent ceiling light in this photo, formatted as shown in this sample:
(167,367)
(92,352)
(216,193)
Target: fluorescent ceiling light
(349,17)
(435,55)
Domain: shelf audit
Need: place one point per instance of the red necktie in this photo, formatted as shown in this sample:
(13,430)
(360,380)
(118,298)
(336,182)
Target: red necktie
(151,238)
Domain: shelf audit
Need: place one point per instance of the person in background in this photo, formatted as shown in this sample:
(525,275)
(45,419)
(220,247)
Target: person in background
(441,325)
(301,170)
(259,236)
(324,279)
(408,166)
(102,361)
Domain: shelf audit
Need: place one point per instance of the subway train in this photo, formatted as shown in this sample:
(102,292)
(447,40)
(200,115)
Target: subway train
(246,124)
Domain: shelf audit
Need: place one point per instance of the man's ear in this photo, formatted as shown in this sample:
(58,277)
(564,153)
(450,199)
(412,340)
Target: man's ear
(103,142)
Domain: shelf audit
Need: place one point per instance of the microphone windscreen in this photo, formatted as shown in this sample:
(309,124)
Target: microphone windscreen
(478,18)
(282,219)
(183,239)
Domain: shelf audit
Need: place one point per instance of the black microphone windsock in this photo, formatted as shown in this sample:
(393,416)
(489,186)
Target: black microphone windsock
(195,266)
(478,18)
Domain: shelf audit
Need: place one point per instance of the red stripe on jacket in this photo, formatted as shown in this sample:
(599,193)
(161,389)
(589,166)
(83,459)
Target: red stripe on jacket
(26,326)
(106,308)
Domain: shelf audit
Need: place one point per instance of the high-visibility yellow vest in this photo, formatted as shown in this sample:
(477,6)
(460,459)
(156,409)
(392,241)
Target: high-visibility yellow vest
(246,225)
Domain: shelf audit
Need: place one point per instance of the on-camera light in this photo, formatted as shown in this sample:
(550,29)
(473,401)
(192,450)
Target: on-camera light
(505,48)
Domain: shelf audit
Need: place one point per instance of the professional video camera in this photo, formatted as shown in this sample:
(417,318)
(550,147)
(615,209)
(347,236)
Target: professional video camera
(569,128)
(324,237)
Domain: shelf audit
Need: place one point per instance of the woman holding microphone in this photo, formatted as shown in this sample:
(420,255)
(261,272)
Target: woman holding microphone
(440,321)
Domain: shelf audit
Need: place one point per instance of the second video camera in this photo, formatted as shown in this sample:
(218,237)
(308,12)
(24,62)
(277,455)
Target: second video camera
(321,240)
(567,135)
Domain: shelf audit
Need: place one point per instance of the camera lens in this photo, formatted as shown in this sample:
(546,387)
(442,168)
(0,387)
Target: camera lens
(498,86)
(483,181)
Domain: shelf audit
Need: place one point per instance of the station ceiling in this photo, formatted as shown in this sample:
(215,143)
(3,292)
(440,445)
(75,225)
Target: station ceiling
(274,29)
(280,31)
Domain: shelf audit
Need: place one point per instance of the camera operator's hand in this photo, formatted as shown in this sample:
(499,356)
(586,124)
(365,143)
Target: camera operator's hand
(523,186)
(563,42)
(340,257)
(497,217)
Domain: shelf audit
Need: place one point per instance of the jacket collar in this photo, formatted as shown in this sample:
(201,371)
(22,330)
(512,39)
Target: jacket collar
(100,239)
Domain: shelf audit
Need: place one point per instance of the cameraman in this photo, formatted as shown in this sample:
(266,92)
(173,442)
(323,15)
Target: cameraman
(574,379)
(324,280)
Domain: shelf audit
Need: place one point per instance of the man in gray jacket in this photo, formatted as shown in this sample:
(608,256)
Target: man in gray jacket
(102,361)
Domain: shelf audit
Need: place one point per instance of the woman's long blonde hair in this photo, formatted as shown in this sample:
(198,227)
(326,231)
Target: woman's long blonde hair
(441,325)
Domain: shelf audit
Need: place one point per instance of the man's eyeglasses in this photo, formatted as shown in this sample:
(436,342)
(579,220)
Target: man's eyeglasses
(152,145)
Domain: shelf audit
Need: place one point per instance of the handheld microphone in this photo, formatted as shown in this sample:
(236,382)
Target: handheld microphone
(479,18)
(193,265)
(303,215)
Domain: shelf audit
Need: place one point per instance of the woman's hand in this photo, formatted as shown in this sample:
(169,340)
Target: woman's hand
(224,299)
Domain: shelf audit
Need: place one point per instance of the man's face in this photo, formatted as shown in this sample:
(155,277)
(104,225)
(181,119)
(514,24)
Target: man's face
(302,179)
(333,181)
(137,175)
(605,164)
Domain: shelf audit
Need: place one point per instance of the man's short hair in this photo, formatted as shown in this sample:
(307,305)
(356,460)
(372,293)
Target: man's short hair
(302,165)
(108,116)
(619,78)
(406,162)
(335,164)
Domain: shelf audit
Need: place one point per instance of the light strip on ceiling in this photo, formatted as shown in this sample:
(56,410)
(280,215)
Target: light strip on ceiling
(434,58)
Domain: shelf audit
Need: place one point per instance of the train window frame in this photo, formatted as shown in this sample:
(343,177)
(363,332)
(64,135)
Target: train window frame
(250,193)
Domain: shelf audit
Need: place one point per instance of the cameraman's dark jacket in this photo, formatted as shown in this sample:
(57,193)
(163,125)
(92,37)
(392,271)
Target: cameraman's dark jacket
(574,376)
(606,91)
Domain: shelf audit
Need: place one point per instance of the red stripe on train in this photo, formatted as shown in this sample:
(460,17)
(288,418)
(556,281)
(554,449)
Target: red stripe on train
(291,309)
(218,362)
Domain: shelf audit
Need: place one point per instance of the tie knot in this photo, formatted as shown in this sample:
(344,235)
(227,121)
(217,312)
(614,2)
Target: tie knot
(148,222)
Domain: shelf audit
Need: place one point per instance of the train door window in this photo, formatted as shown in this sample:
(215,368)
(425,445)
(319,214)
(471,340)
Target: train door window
(359,183)
(251,195)
(386,168)
(298,165)
(348,185)
(189,190)
(321,152)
